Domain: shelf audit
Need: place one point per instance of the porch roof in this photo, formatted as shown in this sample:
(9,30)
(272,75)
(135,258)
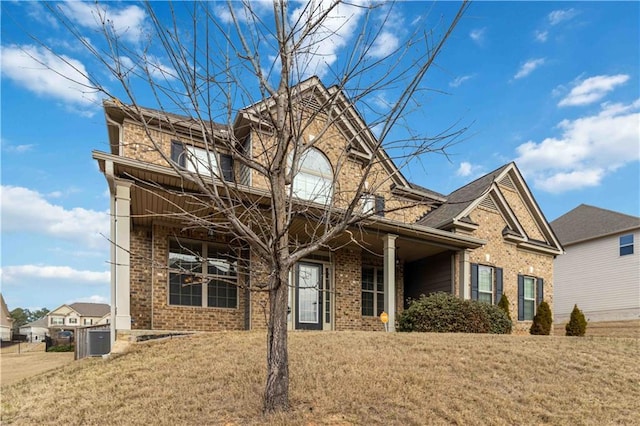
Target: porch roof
(152,202)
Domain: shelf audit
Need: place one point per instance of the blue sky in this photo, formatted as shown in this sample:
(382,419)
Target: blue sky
(553,86)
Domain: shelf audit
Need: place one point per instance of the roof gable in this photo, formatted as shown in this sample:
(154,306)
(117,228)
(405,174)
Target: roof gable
(588,222)
(454,213)
(316,98)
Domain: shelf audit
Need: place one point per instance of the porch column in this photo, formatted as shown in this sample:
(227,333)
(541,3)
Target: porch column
(464,278)
(121,241)
(390,279)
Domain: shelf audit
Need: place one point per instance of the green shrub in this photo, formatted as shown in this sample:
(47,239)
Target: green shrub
(499,321)
(542,321)
(446,313)
(577,324)
(61,348)
(504,305)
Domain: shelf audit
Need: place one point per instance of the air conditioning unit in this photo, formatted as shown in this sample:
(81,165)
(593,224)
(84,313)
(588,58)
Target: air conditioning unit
(99,342)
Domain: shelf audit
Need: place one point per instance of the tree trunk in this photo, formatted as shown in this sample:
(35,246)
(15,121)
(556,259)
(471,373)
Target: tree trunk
(276,395)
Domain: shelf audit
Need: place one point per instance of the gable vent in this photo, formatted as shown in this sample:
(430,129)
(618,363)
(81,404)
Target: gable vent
(508,183)
(488,203)
(312,103)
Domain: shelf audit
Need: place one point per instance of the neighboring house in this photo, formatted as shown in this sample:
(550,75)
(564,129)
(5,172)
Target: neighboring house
(487,238)
(600,271)
(69,317)
(6,322)
(35,330)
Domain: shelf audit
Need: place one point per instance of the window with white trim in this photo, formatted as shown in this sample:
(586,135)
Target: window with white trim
(88,321)
(529,298)
(485,284)
(368,203)
(73,320)
(313,177)
(626,245)
(57,321)
(372,291)
(202,274)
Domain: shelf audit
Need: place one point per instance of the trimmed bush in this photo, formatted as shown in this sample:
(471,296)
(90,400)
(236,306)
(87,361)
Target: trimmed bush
(61,348)
(577,325)
(499,321)
(504,305)
(446,313)
(542,320)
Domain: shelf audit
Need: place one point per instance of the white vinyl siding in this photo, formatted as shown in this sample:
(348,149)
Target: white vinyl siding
(594,276)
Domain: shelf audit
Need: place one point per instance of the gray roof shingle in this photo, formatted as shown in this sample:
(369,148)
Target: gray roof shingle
(586,222)
(91,309)
(460,199)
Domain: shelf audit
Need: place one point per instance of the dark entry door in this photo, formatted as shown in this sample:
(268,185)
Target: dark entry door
(308,296)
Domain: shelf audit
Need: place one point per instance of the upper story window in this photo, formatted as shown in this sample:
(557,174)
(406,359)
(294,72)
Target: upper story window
(57,321)
(313,178)
(73,320)
(372,204)
(626,245)
(201,161)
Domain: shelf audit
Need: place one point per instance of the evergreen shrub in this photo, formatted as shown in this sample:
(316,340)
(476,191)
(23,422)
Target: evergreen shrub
(446,313)
(577,325)
(542,321)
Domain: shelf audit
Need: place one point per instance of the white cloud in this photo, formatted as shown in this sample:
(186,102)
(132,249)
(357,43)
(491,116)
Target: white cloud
(320,49)
(478,35)
(588,149)
(593,89)
(24,273)
(467,169)
(47,74)
(459,80)
(385,44)
(541,36)
(528,67)
(557,16)
(127,22)
(242,15)
(18,149)
(24,210)
(96,298)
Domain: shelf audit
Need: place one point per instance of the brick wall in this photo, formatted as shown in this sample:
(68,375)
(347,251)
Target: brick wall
(499,253)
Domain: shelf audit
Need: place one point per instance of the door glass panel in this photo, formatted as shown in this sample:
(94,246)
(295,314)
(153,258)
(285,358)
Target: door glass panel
(308,293)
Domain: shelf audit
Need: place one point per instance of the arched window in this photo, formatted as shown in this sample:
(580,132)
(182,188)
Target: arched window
(313,179)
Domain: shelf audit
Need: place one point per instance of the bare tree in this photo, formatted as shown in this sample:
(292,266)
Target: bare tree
(255,67)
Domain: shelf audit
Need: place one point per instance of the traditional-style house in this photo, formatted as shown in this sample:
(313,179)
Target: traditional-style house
(487,238)
(6,322)
(35,331)
(600,271)
(69,317)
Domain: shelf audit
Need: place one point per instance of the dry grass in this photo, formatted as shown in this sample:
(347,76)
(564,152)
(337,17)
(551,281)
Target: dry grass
(345,378)
(629,328)
(31,360)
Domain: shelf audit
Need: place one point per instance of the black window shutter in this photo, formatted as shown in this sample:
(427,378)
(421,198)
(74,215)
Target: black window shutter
(177,153)
(540,290)
(498,285)
(520,297)
(474,281)
(226,164)
(379,205)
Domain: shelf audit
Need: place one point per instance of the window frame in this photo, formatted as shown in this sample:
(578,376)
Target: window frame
(492,283)
(533,299)
(322,192)
(185,156)
(626,247)
(377,291)
(202,277)
(57,320)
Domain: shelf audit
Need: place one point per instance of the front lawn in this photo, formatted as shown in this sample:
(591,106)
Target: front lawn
(344,378)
